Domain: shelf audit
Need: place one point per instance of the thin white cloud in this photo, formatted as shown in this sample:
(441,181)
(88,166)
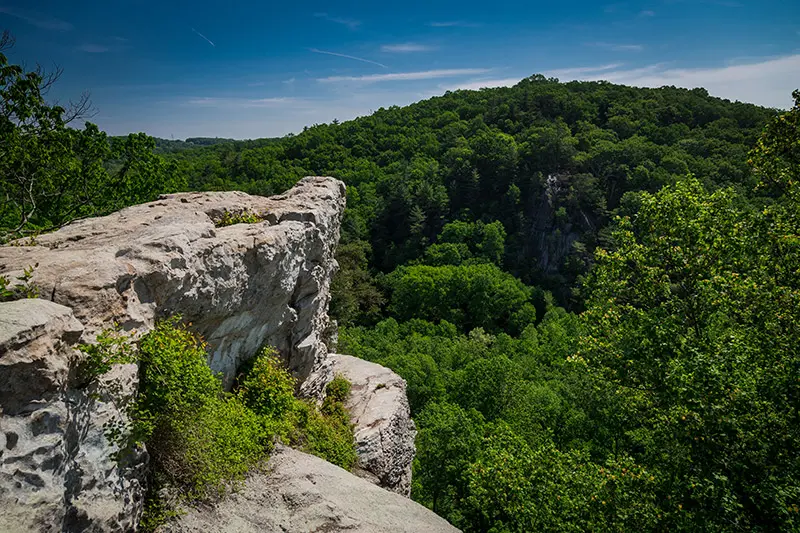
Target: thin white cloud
(326,52)
(582,71)
(407,76)
(768,82)
(406,48)
(618,47)
(289,81)
(204,37)
(647,13)
(209,101)
(350,23)
(453,24)
(39,20)
(473,85)
(93,48)
(487,83)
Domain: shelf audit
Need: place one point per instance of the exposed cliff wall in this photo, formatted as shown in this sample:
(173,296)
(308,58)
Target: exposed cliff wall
(241,286)
(56,470)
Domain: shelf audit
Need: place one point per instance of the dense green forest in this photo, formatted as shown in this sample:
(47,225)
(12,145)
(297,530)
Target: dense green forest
(552,162)
(592,290)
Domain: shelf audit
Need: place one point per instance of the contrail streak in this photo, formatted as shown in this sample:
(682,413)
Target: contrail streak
(347,57)
(204,37)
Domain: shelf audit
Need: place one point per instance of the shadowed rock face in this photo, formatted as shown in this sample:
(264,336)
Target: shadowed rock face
(241,286)
(299,493)
(381,418)
(56,469)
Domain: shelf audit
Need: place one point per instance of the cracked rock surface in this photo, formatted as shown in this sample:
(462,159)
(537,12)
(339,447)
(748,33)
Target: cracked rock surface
(241,286)
(56,469)
(300,493)
(379,410)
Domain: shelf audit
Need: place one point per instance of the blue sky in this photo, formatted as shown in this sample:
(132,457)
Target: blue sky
(249,69)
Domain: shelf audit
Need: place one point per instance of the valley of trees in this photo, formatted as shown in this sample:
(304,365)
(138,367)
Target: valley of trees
(592,290)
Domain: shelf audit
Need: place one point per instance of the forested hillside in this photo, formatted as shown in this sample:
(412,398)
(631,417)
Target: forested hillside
(592,290)
(551,162)
(665,396)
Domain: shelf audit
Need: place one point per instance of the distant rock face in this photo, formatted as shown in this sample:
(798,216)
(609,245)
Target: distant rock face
(241,286)
(379,410)
(300,493)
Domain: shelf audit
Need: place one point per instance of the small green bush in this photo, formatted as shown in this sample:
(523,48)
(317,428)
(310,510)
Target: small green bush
(174,374)
(201,450)
(19,291)
(266,387)
(229,219)
(328,435)
(338,390)
(200,438)
(111,347)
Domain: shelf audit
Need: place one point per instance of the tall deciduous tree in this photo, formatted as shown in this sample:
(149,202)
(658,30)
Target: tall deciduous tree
(51,173)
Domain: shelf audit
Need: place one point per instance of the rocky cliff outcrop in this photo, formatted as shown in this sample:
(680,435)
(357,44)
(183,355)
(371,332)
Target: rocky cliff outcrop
(381,417)
(299,493)
(241,286)
(56,470)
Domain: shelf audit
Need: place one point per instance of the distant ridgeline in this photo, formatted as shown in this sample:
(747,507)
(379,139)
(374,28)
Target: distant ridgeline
(553,162)
(171,145)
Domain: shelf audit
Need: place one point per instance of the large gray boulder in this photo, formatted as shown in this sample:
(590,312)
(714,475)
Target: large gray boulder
(381,417)
(300,493)
(241,286)
(56,467)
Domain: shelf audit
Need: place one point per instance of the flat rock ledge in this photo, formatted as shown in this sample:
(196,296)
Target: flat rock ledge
(300,493)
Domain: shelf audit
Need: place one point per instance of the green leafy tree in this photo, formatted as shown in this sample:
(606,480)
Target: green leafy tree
(693,317)
(469,296)
(51,173)
(516,487)
(355,297)
(448,440)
